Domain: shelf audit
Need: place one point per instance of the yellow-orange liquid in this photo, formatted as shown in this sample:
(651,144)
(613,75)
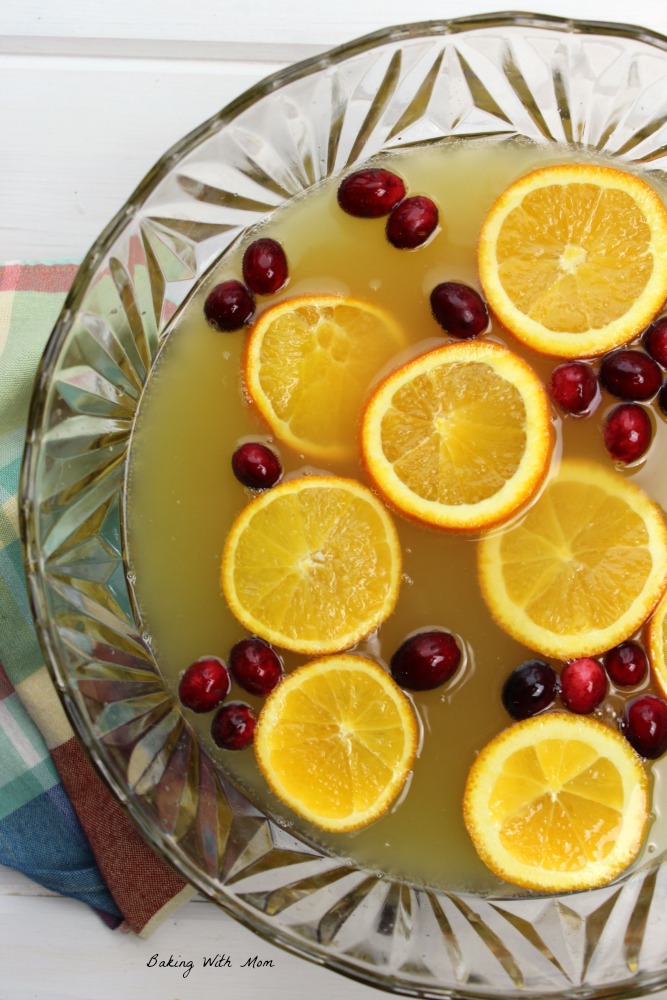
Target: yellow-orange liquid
(182,498)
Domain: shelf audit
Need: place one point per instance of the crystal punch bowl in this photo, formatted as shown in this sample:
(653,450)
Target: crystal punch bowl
(552,81)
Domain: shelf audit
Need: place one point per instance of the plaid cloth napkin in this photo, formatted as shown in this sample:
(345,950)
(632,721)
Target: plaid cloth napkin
(58,822)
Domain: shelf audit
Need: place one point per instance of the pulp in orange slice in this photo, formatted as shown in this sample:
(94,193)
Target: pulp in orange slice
(584,567)
(573,258)
(308,364)
(557,802)
(312,565)
(336,741)
(459,438)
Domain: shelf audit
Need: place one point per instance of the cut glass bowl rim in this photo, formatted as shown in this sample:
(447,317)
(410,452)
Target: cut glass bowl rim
(80,721)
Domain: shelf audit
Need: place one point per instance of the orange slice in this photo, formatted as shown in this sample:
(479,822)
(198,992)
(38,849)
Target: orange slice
(336,741)
(308,365)
(312,565)
(557,802)
(583,569)
(657,644)
(458,438)
(573,258)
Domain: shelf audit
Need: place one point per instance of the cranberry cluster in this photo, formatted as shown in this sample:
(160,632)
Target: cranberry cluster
(231,304)
(583,685)
(630,374)
(255,666)
(376,192)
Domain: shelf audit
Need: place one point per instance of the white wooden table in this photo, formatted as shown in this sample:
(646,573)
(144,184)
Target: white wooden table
(91,94)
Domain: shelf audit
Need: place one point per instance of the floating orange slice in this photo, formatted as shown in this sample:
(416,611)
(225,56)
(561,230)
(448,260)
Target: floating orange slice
(459,438)
(583,569)
(336,741)
(308,365)
(312,565)
(573,258)
(557,802)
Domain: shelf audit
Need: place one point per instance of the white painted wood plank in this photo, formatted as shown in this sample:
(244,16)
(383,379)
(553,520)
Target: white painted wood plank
(84,133)
(287,22)
(55,949)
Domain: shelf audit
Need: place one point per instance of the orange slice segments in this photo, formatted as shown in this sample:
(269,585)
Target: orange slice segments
(312,565)
(583,568)
(459,438)
(557,802)
(336,741)
(573,258)
(308,365)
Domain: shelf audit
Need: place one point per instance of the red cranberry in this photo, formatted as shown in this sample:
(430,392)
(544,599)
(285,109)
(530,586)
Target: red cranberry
(371,193)
(530,689)
(583,685)
(630,374)
(255,665)
(412,222)
(655,340)
(256,466)
(229,306)
(233,727)
(573,387)
(264,267)
(627,432)
(644,725)
(204,684)
(426,660)
(459,309)
(626,664)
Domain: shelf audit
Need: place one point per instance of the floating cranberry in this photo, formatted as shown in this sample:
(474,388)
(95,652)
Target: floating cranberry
(204,684)
(626,664)
(460,310)
(229,306)
(233,727)
(412,222)
(257,466)
(627,432)
(630,374)
(655,340)
(371,193)
(530,689)
(644,725)
(426,660)
(573,387)
(264,267)
(583,685)
(255,665)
